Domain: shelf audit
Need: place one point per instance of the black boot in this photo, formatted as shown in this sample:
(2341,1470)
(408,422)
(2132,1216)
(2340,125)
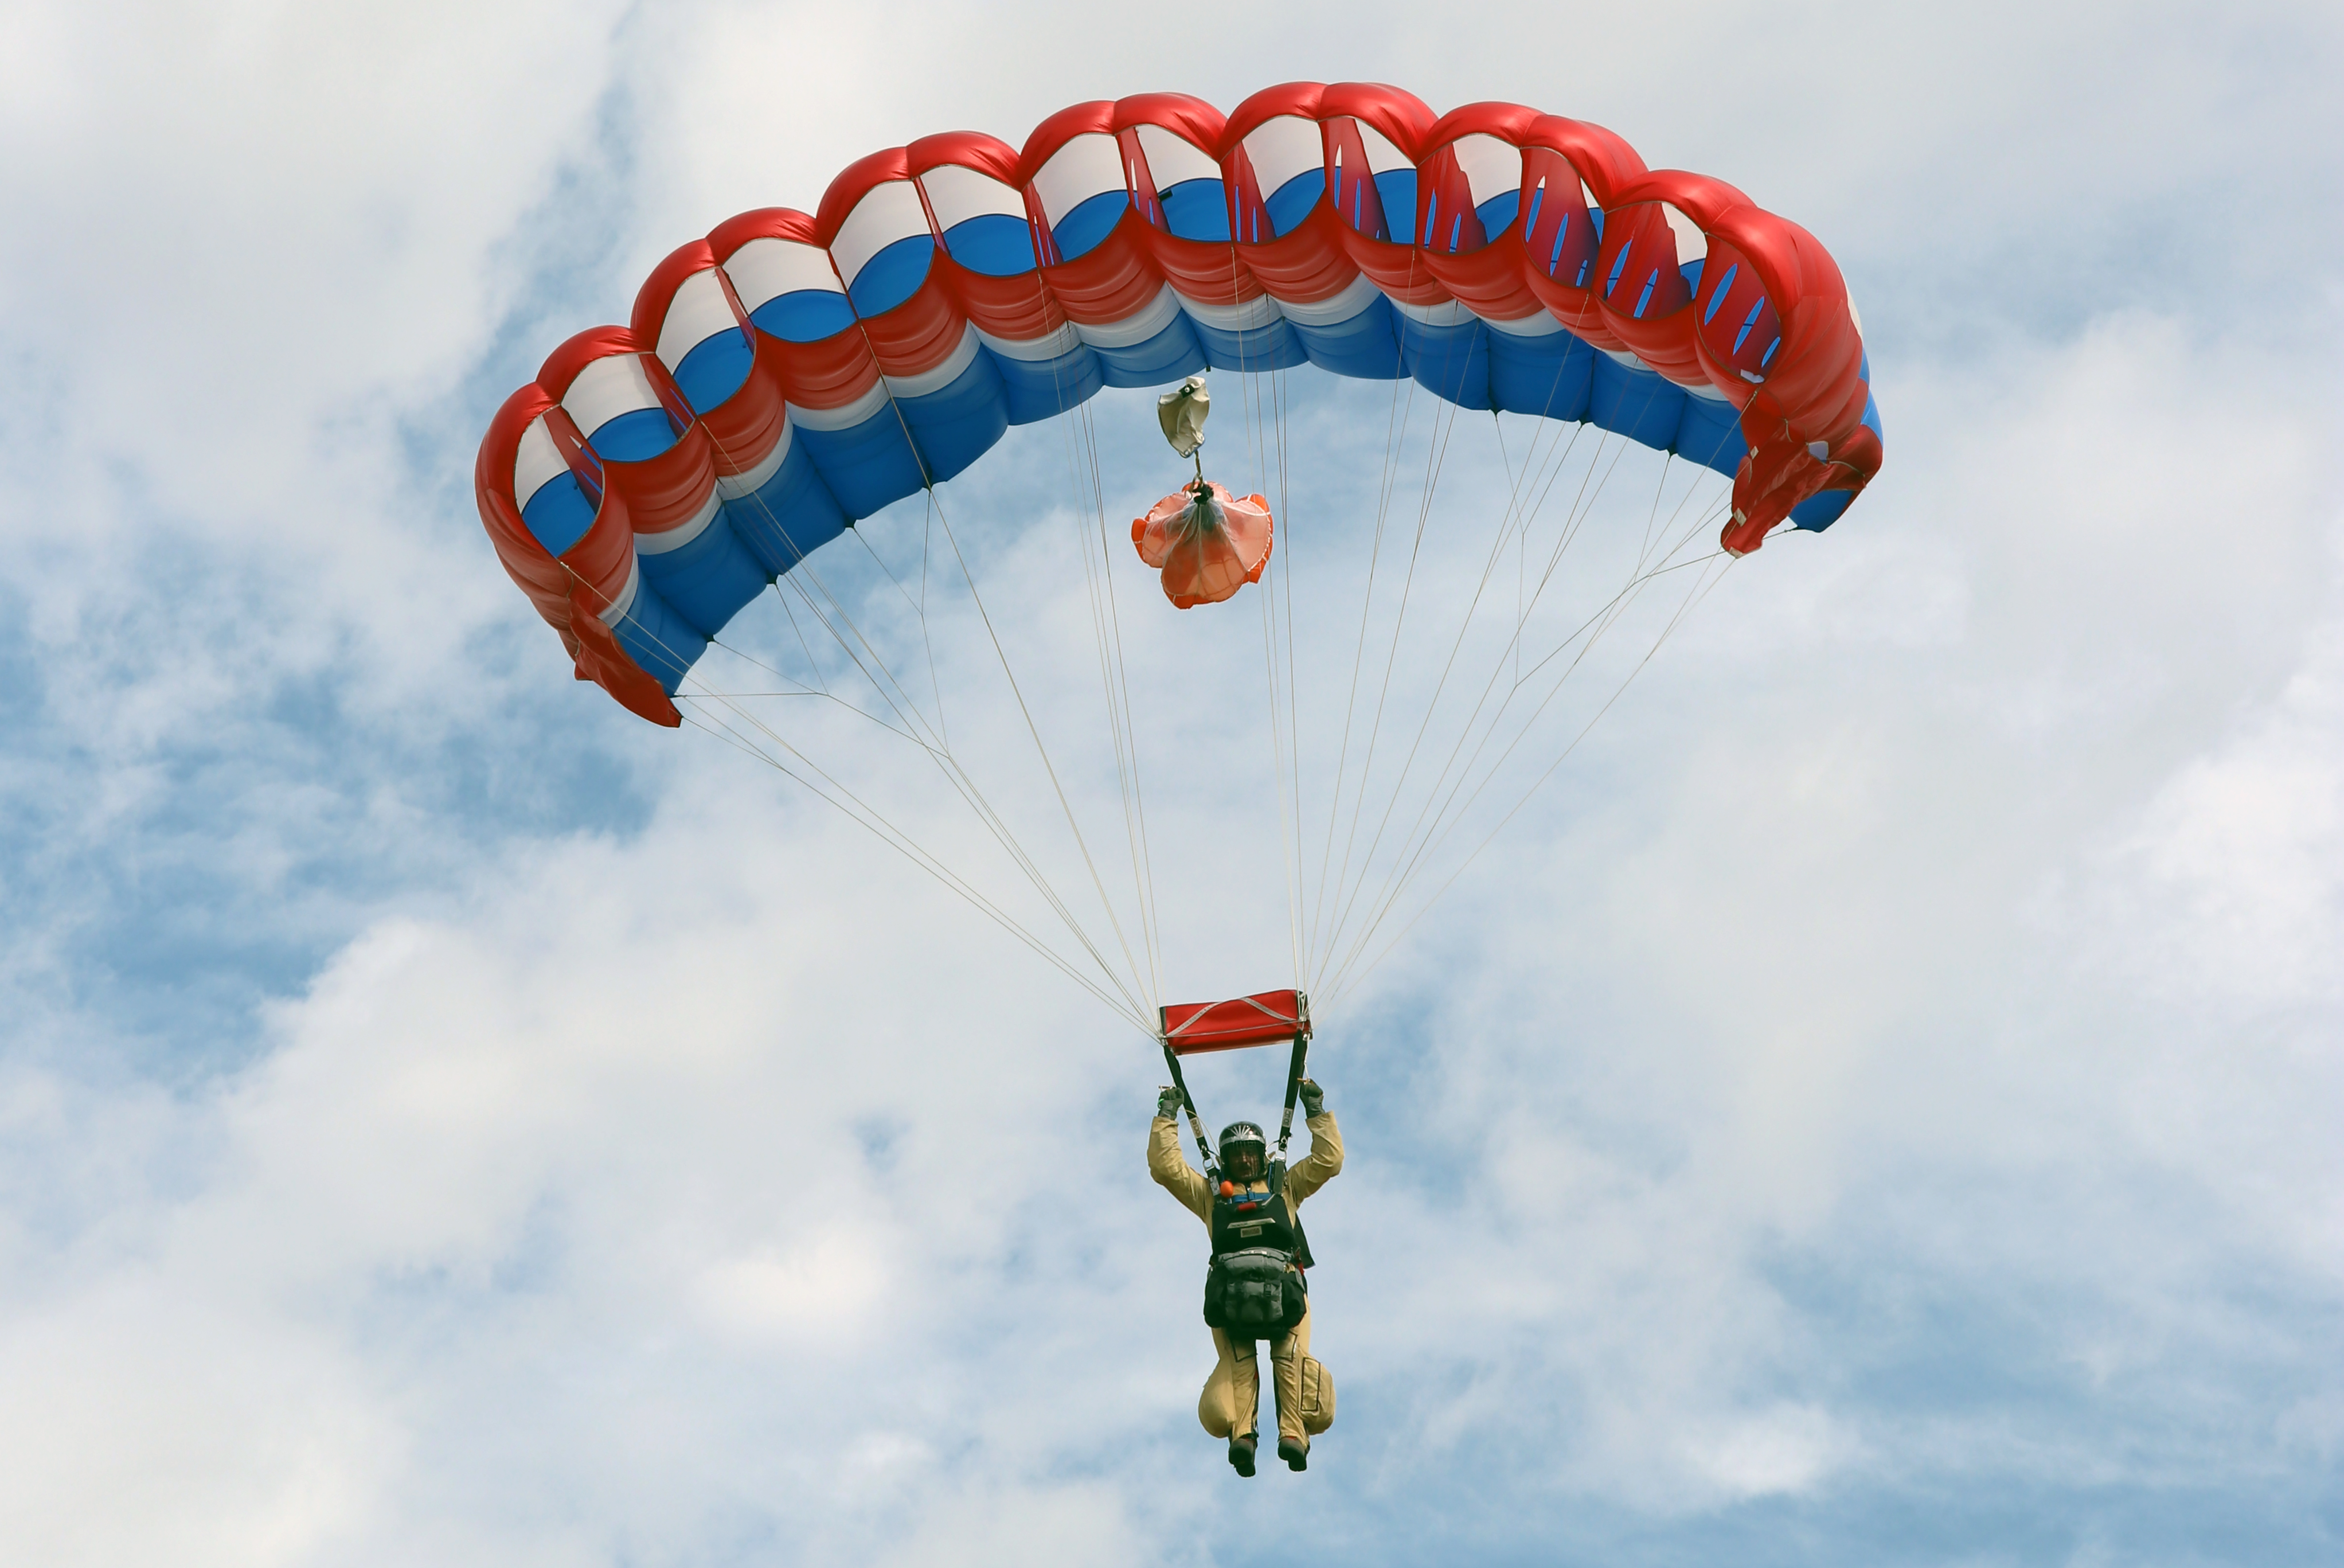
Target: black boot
(1296,1452)
(1241,1453)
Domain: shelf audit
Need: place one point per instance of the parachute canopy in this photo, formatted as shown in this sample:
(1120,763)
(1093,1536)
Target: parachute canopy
(793,371)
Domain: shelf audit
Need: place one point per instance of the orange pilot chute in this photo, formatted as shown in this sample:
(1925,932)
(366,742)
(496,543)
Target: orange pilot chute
(1208,542)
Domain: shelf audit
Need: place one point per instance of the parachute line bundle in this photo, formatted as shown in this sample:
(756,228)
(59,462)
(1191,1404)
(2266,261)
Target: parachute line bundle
(793,371)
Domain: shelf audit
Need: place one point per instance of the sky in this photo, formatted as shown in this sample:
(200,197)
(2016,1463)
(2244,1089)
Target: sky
(1875,1102)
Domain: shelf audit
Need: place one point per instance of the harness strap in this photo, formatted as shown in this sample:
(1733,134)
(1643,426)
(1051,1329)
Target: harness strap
(1293,1087)
(1195,1122)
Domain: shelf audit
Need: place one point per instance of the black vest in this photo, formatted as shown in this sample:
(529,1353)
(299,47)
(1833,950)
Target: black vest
(1252,1288)
(1245,1221)
(1252,1220)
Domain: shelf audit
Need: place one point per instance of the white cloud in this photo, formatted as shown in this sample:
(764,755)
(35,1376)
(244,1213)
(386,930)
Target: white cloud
(1895,1054)
(2249,842)
(1781,1450)
(821,1291)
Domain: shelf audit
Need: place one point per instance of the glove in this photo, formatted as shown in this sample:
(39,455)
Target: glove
(1167,1102)
(1314,1099)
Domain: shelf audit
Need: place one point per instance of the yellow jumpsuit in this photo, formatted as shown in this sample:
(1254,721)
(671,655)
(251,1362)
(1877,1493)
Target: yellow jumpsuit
(1232,1395)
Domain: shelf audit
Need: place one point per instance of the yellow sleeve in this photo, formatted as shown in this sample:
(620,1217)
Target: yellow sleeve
(1324,1161)
(1176,1176)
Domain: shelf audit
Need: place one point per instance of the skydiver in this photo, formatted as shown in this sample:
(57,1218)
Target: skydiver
(1255,1288)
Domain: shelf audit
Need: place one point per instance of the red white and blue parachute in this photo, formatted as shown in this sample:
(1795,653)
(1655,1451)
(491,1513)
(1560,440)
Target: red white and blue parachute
(792,372)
